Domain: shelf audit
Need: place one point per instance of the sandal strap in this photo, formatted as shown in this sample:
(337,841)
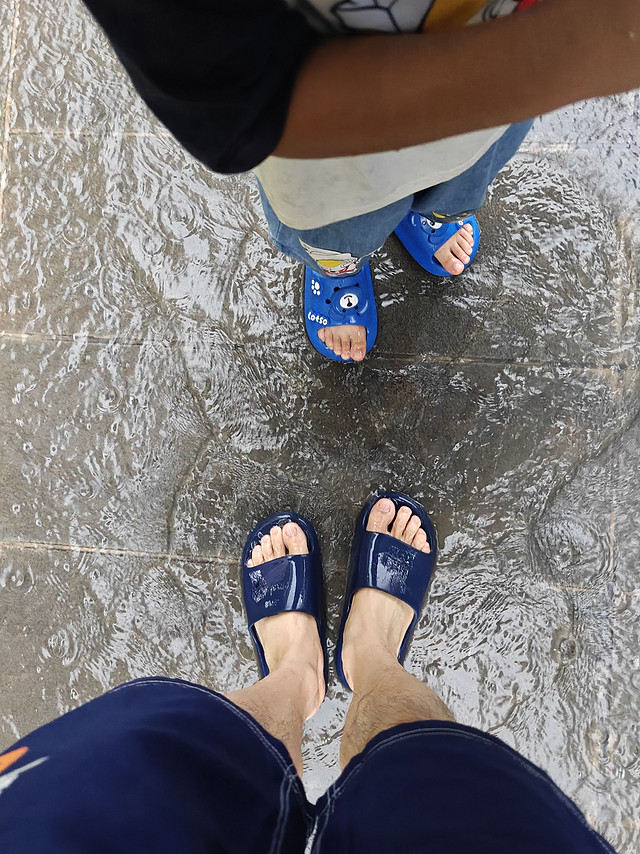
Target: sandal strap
(283,584)
(386,563)
(338,301)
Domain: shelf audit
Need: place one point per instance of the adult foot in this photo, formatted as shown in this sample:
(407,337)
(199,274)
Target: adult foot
(348,342)
(377,621)
(455,254)
(290,640)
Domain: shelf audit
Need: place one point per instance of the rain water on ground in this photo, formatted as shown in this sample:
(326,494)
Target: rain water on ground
(158,396)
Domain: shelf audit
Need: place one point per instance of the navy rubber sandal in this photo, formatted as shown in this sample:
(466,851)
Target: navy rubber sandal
(339,301)
(289,583)
(386,563)
(422,238)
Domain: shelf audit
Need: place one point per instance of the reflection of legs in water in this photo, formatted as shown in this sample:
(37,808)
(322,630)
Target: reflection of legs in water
(385,694)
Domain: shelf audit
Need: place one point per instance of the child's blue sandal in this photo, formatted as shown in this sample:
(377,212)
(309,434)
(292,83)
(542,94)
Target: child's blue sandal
(339,301)
(422,238)
(385,563)
(289,583)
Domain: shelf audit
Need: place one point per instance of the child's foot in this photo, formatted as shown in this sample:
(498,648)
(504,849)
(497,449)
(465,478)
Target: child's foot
(340,314)
(455,254)
(441,248)
(348,342)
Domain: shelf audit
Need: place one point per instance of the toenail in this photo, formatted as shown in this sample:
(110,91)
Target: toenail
(387,507)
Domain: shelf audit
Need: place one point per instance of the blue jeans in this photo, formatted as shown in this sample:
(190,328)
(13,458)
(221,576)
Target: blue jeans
(353,241)
(165,766)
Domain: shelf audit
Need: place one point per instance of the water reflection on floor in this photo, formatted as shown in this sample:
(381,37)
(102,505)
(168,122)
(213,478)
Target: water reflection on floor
(158,395)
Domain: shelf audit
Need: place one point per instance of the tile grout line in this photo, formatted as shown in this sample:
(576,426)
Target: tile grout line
(69,132)
(400,360)
(96,550)
(598,809)
(7,106)
(18,545)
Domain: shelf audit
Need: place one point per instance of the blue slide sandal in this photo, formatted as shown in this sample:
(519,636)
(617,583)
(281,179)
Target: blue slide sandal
(386,563)
(289,583)
(422,238)
(339,301)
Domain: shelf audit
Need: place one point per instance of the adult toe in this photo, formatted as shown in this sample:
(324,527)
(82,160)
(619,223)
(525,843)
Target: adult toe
(295,539)
(256,556)
(400,522)
(267,547)
(411,529)
(381,516)
(420,541)
(277,541)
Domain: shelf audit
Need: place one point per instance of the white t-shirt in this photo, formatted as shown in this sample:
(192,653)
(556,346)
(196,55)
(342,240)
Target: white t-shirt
(310,193)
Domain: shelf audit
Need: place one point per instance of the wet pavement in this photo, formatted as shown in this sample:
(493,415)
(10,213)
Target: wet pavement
(158,396)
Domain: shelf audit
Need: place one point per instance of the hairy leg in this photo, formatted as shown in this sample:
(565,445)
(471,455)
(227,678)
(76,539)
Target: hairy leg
(294,687)
(384,693)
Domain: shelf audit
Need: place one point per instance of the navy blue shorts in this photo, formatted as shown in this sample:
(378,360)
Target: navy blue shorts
(166,767)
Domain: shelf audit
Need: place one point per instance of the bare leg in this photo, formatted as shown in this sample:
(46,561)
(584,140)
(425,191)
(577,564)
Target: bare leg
(385,694)
(294,688)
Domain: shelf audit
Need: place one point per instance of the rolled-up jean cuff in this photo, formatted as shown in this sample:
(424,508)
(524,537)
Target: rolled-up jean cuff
(360,236)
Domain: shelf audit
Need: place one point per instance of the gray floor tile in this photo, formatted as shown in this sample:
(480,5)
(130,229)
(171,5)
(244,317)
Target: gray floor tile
(555,280)
(604,123)
(105,237)
(625,456)
(7,12)
(89,621)
(485,446)
(600,144)
(620,747)
(67,77)
(512,656)
(96,439)
(585,544)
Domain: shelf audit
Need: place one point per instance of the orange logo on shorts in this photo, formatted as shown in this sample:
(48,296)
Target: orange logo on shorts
(9,759)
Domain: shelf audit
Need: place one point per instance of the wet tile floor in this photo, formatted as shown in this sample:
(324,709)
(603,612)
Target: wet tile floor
(158,395)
